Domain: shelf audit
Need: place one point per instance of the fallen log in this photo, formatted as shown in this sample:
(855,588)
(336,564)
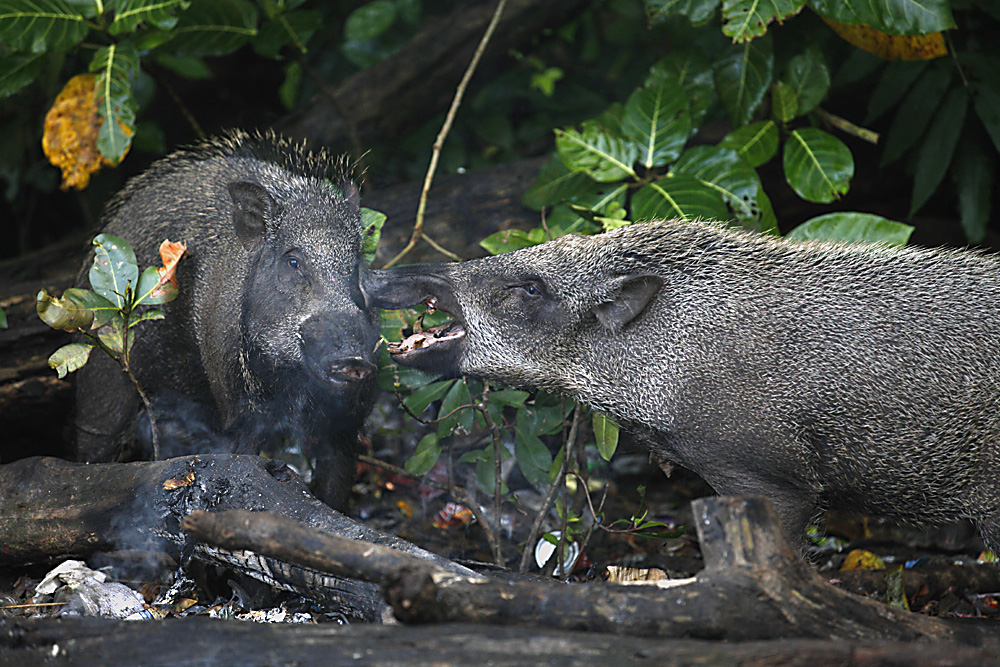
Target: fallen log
(207,642)
(50,509)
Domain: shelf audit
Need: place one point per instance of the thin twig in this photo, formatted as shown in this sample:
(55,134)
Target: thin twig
(497,469)
(418,225)
(550,496)
(846,126)
(36,604)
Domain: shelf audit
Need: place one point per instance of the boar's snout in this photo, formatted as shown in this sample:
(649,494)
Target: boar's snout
(349,371)
(408,286)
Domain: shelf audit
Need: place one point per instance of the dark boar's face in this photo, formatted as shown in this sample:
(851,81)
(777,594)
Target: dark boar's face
(528,318)
(306,329)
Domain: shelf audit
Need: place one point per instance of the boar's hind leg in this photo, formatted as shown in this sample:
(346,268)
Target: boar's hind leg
(106,406)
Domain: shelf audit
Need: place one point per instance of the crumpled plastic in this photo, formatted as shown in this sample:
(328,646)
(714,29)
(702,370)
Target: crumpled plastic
(88,592)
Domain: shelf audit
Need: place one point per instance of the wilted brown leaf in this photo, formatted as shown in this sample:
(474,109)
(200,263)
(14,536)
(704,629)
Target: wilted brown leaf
(891,47)
(179,481)
(70,136)
(170,255)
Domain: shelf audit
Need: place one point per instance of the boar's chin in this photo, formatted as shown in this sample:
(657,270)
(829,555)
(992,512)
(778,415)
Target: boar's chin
(436,350)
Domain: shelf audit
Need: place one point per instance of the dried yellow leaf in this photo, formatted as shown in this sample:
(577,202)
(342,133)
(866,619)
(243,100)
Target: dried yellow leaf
(891,47)
(70,136)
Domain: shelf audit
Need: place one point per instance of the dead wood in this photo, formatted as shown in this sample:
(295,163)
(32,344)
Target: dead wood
(51,509)
(401,93)
(751,573)
(929,583)
(206,642)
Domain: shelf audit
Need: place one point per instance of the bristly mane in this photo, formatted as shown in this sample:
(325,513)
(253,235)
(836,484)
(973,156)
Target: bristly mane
(268,146)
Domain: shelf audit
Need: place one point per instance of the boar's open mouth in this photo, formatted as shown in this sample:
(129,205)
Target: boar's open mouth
(441,338)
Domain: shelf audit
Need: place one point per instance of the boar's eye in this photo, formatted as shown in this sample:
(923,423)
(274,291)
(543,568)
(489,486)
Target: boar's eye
(293,262)
(532,289)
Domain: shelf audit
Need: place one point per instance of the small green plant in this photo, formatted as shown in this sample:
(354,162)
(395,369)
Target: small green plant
(106,315)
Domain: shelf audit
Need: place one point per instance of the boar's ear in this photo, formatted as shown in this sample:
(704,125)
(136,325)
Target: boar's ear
(351,194)
(253,205)
(633,295)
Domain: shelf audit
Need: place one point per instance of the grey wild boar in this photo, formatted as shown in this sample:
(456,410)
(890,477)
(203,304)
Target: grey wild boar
(821,375)
(269,342)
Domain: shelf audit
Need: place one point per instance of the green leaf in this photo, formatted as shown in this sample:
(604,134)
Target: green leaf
(485,474)
(149,291)
(533,457)
(693,71)
(818,166)
(744,20)
(852,227)
(915,112)
(541,419)
(722,170)
(896,79)
(743,77)
(37,26)
(18,71)
(974,174)
(117,67)
(289,28)
(425,456)
(456,397)
(784,103)
(214,27)
(160,14)
(987,102)
(76,310)
(556,183)
(509,397)
(369,21)
(895,17)
(3,319)
(697,11)
(597,152)
(69,358)
(606,434)
(422,397)
(113,335)
(756,143)
(371,222)
(188,67)
(809,77)
(507,240)
(677,196)
(656,119)
(938,147)
(146,316)
(114,268)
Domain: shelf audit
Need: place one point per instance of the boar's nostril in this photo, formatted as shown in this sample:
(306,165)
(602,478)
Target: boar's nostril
(351,370)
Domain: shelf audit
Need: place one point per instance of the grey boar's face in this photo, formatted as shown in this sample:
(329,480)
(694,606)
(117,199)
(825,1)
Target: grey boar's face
(516,317)
(304,323)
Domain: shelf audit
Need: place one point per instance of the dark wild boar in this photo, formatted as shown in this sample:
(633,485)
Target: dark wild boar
(269,343)
(821,375)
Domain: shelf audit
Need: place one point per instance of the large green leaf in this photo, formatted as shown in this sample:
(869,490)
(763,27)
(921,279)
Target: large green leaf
(756,143)
(69,358)
(987,101)
(556,183)
(606,435)
(784,102)
(18,71)
(808,76)
(743,77)
(896,79)
(149,291)
(915,111)
(697,11)
(37,26)
(533,457)
(76,310)
(852,227)
(938,147)
(744,20)
(117,68)
(722,170)
(291,28)
(974,176)
(370,20)
(422,397)
(596,151)
(114,268)
(214,27)
(456,397)
(693,71)
(656,119)
(896,17)
(160,14)
(818,166)
(677,196)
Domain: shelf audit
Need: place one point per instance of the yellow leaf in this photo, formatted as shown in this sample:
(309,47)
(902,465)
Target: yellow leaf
(891,47)
(70,136)
(859,559)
